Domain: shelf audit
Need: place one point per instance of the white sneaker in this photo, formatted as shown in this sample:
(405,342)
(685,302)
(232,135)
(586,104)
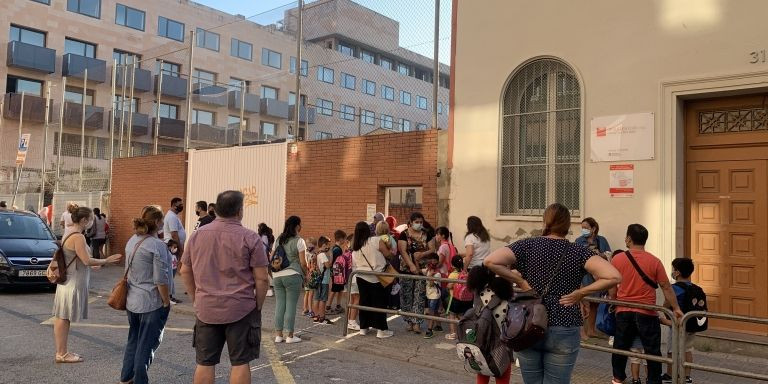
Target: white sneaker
(279,339)
(610,341)
(353,325)
(384,334)
(293,340)
(364,331)
(270,293)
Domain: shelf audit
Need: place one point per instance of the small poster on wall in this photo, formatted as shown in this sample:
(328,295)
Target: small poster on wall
(622,183)
(622,137)
(370,211)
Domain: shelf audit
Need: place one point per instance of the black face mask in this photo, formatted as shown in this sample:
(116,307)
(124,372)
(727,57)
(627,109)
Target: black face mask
(198,213)
(212,213)
(179,208)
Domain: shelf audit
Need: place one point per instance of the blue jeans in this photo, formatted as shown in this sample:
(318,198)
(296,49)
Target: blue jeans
(551,361)
(144,336)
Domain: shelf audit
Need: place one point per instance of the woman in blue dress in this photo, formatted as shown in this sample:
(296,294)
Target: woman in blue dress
(591,239)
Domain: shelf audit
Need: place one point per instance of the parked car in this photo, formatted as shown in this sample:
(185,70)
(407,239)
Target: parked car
(26,248)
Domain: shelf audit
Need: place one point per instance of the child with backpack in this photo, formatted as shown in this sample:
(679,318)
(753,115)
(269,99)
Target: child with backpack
(309,293)
(433,292)
(338,273)
(460,300)
(321,280)
(690,297)
(354,293)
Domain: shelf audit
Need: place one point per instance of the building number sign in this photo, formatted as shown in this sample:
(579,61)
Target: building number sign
(757,56)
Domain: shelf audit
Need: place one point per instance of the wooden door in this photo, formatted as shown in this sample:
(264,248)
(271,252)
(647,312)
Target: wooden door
(728,234)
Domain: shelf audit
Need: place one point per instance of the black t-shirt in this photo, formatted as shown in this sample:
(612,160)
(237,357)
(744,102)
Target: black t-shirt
(204,220)
(336,251)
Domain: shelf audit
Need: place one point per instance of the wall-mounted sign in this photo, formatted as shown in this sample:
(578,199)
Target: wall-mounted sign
(622,137)
(370,211)
(622,183)
(21,154)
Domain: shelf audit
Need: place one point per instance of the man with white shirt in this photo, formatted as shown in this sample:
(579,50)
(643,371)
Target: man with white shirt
(173,229)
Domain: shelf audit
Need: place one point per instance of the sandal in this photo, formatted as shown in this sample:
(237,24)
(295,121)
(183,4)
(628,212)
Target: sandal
(68,358)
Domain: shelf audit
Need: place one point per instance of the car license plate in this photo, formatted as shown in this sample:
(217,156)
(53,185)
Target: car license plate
(32,273)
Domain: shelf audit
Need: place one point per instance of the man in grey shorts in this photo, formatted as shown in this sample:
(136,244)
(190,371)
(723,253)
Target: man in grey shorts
(223,265)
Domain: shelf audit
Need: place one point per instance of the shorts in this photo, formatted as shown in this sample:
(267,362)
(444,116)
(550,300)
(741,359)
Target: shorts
(354,290)
(433,305)
(689,338)
(458,307)
(337,288)
(637,347)
(243,339)
(321,292)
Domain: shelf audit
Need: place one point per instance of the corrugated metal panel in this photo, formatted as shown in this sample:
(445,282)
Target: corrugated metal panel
(24,201)
(259,171)
(91,200)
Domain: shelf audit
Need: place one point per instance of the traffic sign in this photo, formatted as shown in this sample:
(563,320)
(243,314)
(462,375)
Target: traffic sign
(21,155)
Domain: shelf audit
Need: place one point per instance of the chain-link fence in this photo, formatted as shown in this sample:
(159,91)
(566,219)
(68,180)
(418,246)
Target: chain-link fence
(212,79)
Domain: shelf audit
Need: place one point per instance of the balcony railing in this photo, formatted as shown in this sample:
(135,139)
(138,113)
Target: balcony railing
(142,83)
(274,108)
(175,87)
(252,102)
(34,107)
(210,94)
(75,66)
(306,114)
(32,57)
(73,116)
(171,128)
(140,123)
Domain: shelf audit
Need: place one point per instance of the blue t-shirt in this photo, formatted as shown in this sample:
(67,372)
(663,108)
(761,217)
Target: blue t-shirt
(680,293)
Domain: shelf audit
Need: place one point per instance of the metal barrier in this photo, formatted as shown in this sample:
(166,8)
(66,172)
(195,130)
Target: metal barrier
(677,360)
(723,371)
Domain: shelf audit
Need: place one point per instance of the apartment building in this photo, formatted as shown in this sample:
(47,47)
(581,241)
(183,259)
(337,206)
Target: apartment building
(355,79)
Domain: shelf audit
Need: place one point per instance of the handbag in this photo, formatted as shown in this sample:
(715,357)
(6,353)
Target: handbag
(606,319)
(385,281)
(119,296)
(57,268)
(527,318)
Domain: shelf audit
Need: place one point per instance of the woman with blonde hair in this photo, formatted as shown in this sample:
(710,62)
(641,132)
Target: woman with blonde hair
(149,278)
(71,300)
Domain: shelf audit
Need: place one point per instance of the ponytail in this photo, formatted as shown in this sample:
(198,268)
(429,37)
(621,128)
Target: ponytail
(148,222)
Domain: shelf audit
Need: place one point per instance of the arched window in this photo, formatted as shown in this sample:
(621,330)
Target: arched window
(540,139)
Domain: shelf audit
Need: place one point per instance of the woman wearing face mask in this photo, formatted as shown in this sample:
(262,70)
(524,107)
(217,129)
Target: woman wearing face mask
(599,246)
(414,245)
(71,300)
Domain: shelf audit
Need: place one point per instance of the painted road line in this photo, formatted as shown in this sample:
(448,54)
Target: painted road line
(282,373)
(262,366)
(111,326)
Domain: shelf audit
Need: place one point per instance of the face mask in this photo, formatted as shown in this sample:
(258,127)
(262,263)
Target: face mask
(197,213)
(417,226)
(585,232)
(179,207)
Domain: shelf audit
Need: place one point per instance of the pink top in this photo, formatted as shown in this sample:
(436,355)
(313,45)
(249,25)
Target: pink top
(448,251)
(222,255)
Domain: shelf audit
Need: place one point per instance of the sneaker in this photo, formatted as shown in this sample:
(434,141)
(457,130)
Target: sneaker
(688,380)
(325,321)
(429,334)
(384,334)
(309,314)
(175,300)
(666,378)
(636,381)
(293,340)
(279,339)
(363,331)
(270,293)
(339,309)
(353,326)
(305,313)
(438,328)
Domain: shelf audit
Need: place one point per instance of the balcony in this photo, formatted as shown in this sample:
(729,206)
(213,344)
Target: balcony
(274,108)
(171,128)
(142,83)
(73,116)
(75,66)
(175,87)
(34,107)
(209,94)
(140,124)
(233,135)
(207,133)
(28,56)
(306,115)
(252,102)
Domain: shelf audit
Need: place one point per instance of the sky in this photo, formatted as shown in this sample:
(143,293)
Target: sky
(416,18)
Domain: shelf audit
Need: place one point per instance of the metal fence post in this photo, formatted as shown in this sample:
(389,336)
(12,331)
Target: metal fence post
(188,125)
(82,129)
(157,108)
(61,131)
(131,111)
(242,111)
(112,125)
(19,166)
(41,199)
(122,110)
(299,37)
(436,73)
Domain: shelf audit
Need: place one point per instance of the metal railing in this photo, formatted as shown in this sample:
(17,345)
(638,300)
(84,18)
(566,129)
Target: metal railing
(677,361)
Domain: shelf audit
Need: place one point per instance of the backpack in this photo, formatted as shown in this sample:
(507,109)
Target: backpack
(340,270)
(694,299)
(315,278)
(460,291)
(279,260)
(480,345)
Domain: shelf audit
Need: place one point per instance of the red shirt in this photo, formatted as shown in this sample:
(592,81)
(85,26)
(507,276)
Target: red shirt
(222,255)
(633,288)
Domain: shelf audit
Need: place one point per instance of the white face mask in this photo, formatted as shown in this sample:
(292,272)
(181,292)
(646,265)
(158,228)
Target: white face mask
(417,226)
(585,232)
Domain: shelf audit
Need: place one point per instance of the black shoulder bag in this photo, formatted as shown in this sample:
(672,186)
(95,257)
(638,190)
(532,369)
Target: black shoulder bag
(645,277)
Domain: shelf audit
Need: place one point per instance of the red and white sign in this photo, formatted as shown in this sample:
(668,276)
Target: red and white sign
(622,180)
(622,137)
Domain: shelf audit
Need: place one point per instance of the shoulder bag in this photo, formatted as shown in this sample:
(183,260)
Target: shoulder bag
(527,318)
(642,274)
(384,280)
(57,268)
(119,296)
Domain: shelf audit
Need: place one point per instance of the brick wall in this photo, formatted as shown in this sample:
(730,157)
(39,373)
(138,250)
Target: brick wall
(330,182)
(140,181)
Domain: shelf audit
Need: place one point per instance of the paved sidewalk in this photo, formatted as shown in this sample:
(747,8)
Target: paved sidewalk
(438,353)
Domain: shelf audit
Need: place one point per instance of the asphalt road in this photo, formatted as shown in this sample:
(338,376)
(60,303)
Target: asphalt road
(26,352)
